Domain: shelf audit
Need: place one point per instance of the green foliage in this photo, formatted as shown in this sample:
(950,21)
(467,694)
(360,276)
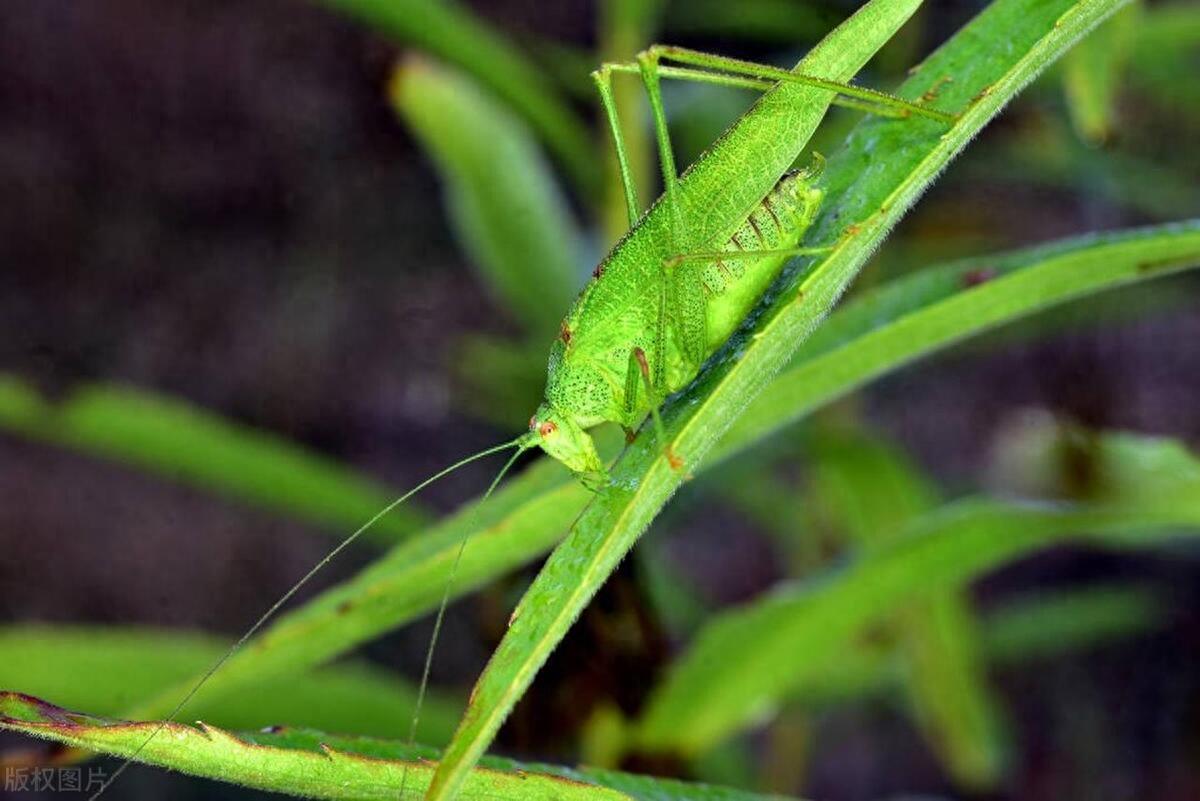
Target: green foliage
(641,480)
(1093,73)
(870,183)
(895,618)
(500,194)
(314,764)
(1040,626)
(938,307)
(451,32)
(187,444)
(744,661)
(518,524)
(108,670)
(874,493)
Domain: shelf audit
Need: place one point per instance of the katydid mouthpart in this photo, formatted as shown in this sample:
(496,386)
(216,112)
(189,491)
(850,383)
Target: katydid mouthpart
(666,298)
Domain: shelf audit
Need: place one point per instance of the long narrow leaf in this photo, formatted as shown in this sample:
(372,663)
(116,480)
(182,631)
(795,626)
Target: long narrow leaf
(520,522)
(874,492)
(1042,626)
(171,438)
(501,195)
(793,628)
(453,33)
(527,516)
(912,317)
(774,131)
(871,183)
(313,764)
(108,670)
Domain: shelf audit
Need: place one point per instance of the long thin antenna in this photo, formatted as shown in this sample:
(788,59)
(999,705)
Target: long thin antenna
(275,607)
(441,613)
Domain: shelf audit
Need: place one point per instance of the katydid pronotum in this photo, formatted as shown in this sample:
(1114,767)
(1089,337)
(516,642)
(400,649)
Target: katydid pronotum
(662,302)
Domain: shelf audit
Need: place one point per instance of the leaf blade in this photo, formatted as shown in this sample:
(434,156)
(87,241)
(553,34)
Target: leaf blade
(314,764)
(611,524)
(501,195)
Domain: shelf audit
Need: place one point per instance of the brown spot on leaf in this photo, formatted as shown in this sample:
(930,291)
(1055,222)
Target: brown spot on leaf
(978,276)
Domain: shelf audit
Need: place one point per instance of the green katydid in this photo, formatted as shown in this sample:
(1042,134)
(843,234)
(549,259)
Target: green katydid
(642,328)
(674,288)
(663,301)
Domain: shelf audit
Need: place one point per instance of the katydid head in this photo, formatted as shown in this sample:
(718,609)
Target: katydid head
(563,439)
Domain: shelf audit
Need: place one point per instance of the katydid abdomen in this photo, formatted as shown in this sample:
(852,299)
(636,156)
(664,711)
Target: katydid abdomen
(734,286)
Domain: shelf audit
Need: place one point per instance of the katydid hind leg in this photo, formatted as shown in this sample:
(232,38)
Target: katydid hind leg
(725,71)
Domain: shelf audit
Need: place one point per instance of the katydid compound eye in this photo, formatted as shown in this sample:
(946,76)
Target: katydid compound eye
(546,429)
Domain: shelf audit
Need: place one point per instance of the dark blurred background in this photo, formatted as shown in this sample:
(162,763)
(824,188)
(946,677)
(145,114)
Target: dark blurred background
(215,201)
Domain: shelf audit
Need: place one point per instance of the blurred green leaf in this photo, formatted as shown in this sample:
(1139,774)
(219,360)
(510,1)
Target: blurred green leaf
(874,492)
(1165,50)
(187,444)
(885,329)
(454,34)
(746,661)
(868,487)
(1048,624)
(520,522)
(1051,623)
(1092,74)
(529,514)
(108,670)
(501,195)
(947,685)
(314,764)
(789,22)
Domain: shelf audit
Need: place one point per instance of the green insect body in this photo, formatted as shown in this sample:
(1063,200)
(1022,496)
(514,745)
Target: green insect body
(642,328)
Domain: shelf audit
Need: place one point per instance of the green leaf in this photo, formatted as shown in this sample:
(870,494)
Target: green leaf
(868,488)
(451,32)
(869,336)
(1051,623)
(313,764)
(1164,54)
(613,521)
(874,492)
(947,685)
(187,444)
(870,183)
(107,670)
(1038,626)
(520,522)
(1092,74)
(941,551)
(502,197)
(528,515)
(899,322)
(782,21)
